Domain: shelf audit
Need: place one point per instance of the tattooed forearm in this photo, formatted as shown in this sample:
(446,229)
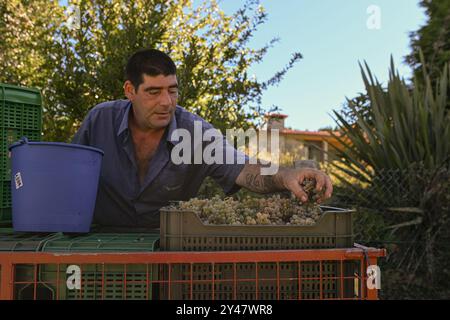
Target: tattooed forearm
(260,183)
(251,179)
(285,179)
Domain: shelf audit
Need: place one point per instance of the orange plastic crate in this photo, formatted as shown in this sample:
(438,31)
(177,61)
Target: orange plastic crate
(254,275)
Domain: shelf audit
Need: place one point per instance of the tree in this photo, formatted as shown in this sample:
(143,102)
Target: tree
(433,39)
(360,103)
(26,31)
(78,67)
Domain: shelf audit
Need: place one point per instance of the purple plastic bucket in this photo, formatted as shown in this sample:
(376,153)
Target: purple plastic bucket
(54,186)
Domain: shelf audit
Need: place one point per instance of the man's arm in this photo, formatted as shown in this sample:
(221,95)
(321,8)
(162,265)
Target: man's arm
(251,178)
(285,179)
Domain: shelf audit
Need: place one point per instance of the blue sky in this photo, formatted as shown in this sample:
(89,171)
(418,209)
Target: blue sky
(332,36)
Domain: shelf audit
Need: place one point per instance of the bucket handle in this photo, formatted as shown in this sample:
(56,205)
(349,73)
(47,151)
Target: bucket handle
(23,140)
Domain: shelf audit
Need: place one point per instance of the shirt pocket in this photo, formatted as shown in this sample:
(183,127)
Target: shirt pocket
(171,182)
(172,188)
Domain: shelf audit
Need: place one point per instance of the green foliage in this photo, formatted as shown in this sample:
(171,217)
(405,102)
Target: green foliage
(433,39)
(397,155)
(360,103)
(395,150)
(26,31)
(78,66)
(327,128)
(402,126)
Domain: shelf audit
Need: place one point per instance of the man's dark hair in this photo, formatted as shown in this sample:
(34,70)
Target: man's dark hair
(151,62)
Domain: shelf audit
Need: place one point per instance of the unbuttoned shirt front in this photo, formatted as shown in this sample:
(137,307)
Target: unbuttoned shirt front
(121,199)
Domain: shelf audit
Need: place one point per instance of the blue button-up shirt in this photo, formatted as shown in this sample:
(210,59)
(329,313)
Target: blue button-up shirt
(121,200)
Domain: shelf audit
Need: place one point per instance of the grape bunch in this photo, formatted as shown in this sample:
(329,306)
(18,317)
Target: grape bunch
(274,210)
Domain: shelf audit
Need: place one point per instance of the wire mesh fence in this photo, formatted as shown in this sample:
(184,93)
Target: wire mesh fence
(407,212)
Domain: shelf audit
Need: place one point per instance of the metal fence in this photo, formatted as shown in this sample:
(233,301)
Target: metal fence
(407,212)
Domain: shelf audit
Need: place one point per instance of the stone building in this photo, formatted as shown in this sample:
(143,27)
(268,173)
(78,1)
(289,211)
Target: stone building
(302,144)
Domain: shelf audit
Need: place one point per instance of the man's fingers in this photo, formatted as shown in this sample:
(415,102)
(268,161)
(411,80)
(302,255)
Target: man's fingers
(297,190)
(320,182)
(301,177)
(323,184)
(329,188)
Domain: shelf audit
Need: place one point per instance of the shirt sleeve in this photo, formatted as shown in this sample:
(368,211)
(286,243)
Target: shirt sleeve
(82,136)
(226,172)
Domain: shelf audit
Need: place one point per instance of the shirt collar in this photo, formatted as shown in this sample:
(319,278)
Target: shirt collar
(172,134)
(124,124)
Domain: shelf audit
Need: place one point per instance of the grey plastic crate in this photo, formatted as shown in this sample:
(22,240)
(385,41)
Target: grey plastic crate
(183,230)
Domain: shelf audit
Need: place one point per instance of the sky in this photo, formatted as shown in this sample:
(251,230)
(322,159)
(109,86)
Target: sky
(333,36)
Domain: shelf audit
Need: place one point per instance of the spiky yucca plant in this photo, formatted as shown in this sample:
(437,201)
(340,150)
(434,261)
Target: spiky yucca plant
(399,151)
(405,124)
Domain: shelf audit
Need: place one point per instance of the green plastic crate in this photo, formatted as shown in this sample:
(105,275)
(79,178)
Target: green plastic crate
(21,108)
(20,115)
(5,203)
(103,242)
(5,217)
(5,194)
(18,241)
(98,281)
(8,137)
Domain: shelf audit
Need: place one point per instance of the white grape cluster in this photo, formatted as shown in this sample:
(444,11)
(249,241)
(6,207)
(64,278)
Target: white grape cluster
(273,210)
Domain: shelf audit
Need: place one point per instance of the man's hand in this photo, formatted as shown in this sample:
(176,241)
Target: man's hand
(292,179)
(286,179)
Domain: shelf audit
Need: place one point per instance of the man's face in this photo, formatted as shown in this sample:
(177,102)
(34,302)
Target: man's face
(154,102)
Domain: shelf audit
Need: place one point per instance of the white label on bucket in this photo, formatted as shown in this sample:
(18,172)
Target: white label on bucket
(18,180)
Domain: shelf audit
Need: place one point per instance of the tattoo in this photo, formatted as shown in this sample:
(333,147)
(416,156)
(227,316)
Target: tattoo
(270,183)
(256,182)
(252,180)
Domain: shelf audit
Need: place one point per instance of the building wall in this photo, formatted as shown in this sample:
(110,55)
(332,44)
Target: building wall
(295,147)
(302,149)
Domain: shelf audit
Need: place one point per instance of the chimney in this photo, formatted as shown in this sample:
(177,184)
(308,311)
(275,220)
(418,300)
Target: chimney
(275,121)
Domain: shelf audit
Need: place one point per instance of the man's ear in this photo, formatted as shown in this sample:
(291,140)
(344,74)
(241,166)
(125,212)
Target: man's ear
(129,91)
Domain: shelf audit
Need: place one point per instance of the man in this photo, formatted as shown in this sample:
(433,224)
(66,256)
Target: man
(137,135)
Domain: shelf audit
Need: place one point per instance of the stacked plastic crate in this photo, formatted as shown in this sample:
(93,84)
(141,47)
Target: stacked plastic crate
(98,281)
(182,230)
(20,115)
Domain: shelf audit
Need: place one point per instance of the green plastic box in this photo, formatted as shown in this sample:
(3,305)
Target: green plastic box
(20,115)
(98,281)
(20,241)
